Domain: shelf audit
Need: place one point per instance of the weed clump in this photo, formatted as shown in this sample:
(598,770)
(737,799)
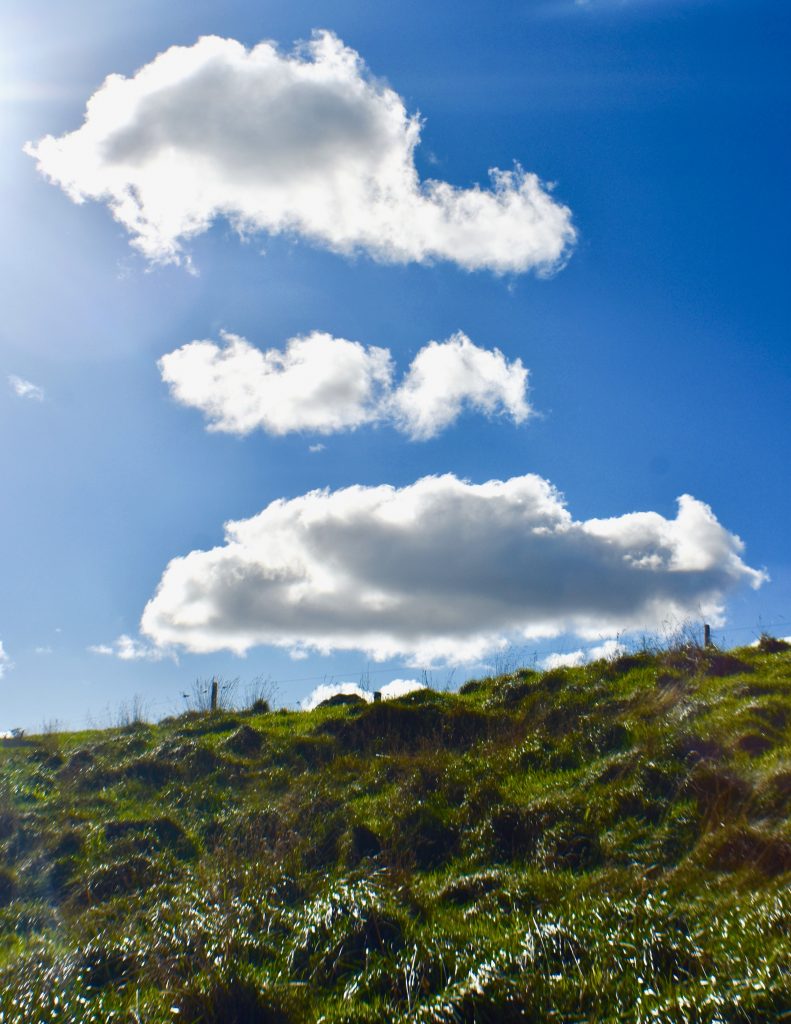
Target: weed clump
(8,886)
(743,847)
(149,835)
(425,837)
(155,770)
(515,834)
(467,888)
(130,875)
(774,793)
(719,792)
(231,998)
(407,724)
(772,645)
(338,931)
(101,963)
(753,744)
(360,843)
(79,762)
(723,665)
(246,741)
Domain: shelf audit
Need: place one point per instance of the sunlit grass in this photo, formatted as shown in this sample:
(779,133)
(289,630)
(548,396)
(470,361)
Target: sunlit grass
(606,843)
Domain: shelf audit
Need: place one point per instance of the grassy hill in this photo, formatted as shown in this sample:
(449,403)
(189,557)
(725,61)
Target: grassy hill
(605,843)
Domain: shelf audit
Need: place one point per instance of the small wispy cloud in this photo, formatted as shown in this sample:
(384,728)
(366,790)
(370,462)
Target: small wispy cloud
(26,388)
(126,648)
(5,661)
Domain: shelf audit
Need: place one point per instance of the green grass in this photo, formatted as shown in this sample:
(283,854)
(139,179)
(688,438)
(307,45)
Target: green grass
(608,843)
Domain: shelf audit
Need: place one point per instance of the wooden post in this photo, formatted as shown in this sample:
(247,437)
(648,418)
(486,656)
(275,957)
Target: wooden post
(377,696)
(214,691)
(707,635)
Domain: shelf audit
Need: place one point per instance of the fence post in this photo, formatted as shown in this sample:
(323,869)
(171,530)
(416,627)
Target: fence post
(707,635)
(214,691)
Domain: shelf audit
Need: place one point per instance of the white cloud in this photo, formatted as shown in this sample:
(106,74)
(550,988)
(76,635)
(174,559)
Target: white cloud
(317,383)
(308,143)
(447,376)
(328,690)
(390,691)
(569,660)
(126,648)
(608,650)
(400,688)
(442,570)
(5,661)
(324,384)
(26,389)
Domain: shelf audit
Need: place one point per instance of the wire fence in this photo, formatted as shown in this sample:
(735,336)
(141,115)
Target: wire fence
(505,661)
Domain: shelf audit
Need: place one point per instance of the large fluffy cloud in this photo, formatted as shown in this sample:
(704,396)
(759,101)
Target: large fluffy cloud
(306,142)
(323,384)
(441,570)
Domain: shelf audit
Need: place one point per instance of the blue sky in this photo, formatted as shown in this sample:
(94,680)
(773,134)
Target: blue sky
(654,333)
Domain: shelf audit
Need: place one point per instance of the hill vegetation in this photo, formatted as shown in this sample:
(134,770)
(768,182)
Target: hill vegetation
(595,844)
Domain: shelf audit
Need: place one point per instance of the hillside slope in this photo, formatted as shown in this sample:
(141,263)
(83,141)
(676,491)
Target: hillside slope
(606,843)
